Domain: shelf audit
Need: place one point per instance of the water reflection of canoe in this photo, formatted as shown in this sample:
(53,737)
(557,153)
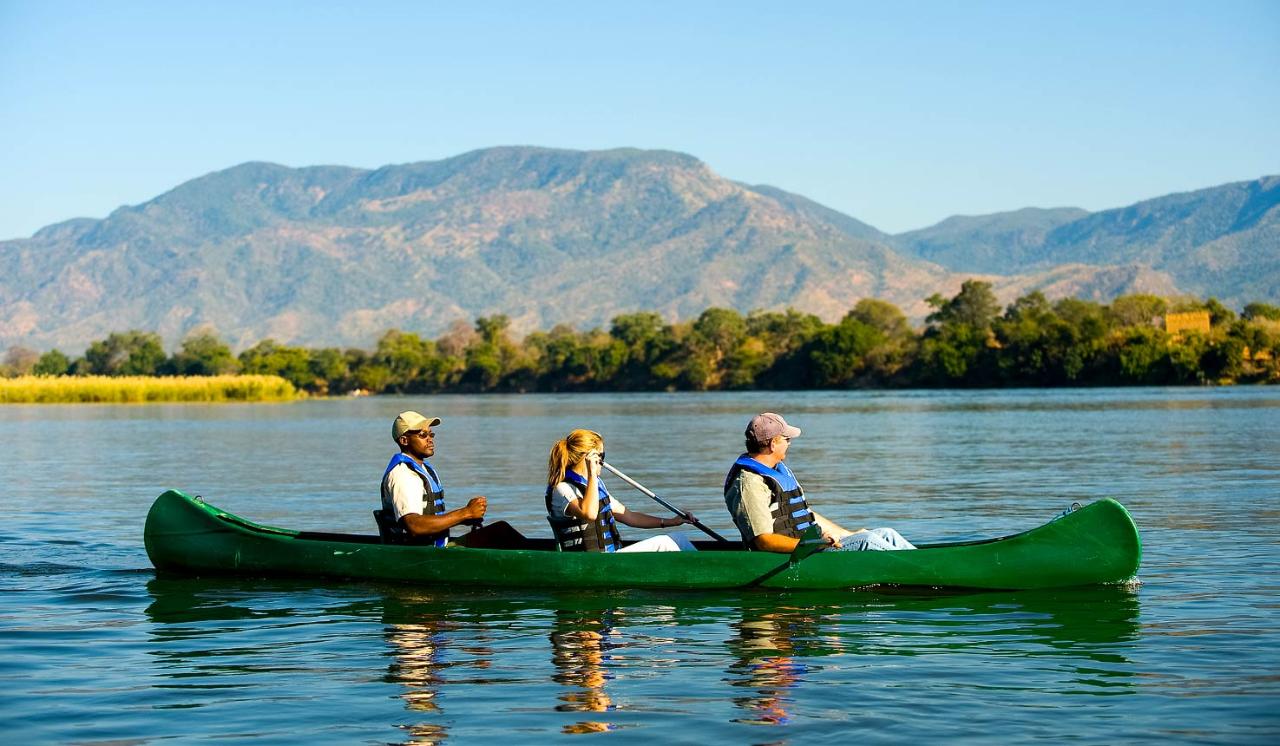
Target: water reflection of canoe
(1096,544)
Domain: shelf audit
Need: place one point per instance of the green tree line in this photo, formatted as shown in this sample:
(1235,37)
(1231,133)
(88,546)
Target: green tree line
(967,341)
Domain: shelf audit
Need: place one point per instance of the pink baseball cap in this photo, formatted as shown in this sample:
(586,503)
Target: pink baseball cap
(767,426)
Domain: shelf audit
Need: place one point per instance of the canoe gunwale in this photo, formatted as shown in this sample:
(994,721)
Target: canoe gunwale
(301,535)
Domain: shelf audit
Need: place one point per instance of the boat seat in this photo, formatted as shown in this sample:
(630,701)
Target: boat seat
(387,529)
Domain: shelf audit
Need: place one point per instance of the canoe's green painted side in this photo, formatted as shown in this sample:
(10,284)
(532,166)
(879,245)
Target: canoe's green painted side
(1096,544)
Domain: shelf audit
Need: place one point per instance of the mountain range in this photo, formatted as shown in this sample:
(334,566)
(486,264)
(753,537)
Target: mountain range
(331,255)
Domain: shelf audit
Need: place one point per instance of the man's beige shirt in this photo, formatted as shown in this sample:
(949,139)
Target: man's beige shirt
(748,499)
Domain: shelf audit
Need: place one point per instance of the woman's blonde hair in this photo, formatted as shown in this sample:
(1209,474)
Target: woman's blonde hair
(568,451)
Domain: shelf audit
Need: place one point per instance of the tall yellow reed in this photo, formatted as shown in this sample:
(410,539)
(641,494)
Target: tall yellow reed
(141,389)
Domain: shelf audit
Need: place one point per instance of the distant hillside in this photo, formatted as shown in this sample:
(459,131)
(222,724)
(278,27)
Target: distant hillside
(995,244)
(334,256)
(1223,241)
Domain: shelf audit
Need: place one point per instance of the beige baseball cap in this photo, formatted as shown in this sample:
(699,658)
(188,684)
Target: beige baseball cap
(406,421)
(767,426)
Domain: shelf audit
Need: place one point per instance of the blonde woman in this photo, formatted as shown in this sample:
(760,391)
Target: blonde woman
(584,517)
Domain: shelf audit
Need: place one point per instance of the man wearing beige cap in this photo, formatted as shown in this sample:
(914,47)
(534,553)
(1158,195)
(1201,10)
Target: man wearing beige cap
(413,509)
(768,504)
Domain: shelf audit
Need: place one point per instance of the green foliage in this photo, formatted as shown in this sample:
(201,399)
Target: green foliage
(1255,311)
(131,353)
(1259,338)
(271,358)
(838,354)
(883,316)
(975,306)
(1222,359)
(896,349)
(373,378)
(953,354)
(411,363)
(1184,359)
(641,333)
(1048,345)
(488,359)
(484,366)
(955,347)
(1136,310)
(709,348)
(203,354)
(331,371)
(646,340)
(1143,354)
(492,328)
(1218,313)
(968,342)
(52,363)
(719,329)
(783,330)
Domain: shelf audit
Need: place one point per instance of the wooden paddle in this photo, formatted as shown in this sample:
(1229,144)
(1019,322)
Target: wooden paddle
(682,513)
(811,542)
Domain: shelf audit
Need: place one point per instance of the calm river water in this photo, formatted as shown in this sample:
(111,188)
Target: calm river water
(94,648)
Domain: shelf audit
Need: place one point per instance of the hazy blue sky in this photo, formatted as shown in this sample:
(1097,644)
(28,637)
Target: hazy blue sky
(899,114)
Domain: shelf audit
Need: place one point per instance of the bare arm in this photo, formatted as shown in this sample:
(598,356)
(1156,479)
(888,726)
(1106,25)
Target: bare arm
(418,524)
(644,520)
(776,543)
(831,532)
(587,507)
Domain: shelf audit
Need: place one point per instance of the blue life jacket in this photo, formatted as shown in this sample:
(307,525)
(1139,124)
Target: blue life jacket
(577,535)
(432,498)
(790,511)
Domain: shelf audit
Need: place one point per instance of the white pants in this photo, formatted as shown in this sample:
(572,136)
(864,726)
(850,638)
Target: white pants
(873,538)
(676,542)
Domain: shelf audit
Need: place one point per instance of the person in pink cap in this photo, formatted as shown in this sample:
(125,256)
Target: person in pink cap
(768,504)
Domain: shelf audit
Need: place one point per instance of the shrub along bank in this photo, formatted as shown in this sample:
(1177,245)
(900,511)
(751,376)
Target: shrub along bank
(968,341)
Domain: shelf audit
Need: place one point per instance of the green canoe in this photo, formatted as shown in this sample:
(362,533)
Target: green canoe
(1095,544)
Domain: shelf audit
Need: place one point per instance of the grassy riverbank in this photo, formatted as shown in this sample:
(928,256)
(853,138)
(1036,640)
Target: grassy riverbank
(143,389)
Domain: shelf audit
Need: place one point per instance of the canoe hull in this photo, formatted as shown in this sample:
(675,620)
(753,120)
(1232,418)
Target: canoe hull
(1096,544)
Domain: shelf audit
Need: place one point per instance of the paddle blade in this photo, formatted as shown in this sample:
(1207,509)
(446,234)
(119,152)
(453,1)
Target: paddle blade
(810,541)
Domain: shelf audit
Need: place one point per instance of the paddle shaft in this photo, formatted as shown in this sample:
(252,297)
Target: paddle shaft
(810,544)
(682,513)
